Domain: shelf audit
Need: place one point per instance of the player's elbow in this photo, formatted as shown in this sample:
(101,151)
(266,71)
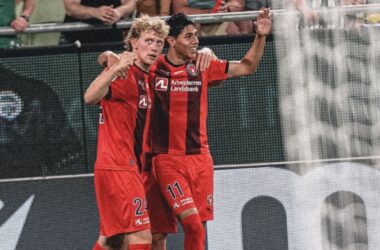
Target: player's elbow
(252,69)
(89,99)
(249,68)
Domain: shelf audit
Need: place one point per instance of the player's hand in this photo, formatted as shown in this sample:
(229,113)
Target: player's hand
(19,24)
(204,57)
(263,23)
(125,62)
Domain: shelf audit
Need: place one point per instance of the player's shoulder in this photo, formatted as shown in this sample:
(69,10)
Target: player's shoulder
(161,67)
(218,61)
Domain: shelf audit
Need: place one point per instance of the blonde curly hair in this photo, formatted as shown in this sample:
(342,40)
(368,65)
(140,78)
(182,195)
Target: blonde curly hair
(146,23)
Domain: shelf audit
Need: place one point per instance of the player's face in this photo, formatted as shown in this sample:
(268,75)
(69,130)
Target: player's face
(187,42)
(148,47)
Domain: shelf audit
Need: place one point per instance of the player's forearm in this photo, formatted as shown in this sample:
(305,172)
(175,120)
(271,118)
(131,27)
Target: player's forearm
(99,87)
(251,60)
(75,9)
(127,8)
(28,7)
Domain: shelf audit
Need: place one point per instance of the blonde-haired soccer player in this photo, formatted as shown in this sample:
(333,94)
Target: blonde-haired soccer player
(125,107)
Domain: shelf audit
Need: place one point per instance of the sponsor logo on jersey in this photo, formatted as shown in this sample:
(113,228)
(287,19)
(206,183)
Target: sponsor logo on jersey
(186,201)
(143,221)
(178,72)
(161,84)
(191,70)
(146,220)
(143,102)
(185,86)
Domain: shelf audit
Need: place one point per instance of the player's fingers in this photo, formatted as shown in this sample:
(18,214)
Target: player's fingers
(198,60)
(126,73)
(119,74)
(264,13)
(202,63)
(206,63)
(128,54)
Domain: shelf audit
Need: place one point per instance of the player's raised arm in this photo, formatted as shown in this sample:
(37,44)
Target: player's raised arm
(251,60)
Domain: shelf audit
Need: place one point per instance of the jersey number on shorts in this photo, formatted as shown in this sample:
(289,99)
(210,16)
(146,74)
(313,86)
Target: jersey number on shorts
(141,206)
(170,189)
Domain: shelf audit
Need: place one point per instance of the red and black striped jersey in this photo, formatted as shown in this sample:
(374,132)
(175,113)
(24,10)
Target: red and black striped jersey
(179,106)
(124,113)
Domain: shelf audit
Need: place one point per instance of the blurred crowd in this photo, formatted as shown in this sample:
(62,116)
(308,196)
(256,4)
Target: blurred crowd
(18,14)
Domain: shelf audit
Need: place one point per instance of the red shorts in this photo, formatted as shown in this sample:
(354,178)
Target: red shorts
(162,219)
(121,202)
(186,181)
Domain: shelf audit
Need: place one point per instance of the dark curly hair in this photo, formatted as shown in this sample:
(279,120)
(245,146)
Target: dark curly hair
(177,23)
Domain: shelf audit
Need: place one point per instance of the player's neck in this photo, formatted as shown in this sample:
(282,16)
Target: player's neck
(143,66)
(175,58)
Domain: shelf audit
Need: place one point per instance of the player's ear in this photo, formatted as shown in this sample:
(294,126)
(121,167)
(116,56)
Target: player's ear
(170,40)
(133,42)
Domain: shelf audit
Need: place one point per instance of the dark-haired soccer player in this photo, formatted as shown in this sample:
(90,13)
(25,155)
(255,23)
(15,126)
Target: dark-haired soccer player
(125,105)
(182,165)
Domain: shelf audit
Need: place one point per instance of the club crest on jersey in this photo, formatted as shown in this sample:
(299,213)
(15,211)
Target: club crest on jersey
(143,102)
(161,84)
(191,70)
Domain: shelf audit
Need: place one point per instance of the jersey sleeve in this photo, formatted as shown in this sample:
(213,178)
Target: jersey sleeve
(117,89)
(217,70)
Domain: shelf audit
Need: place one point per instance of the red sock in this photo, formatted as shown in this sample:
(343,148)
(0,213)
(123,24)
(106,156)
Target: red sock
(139,246)
(97,246)
(194,232)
